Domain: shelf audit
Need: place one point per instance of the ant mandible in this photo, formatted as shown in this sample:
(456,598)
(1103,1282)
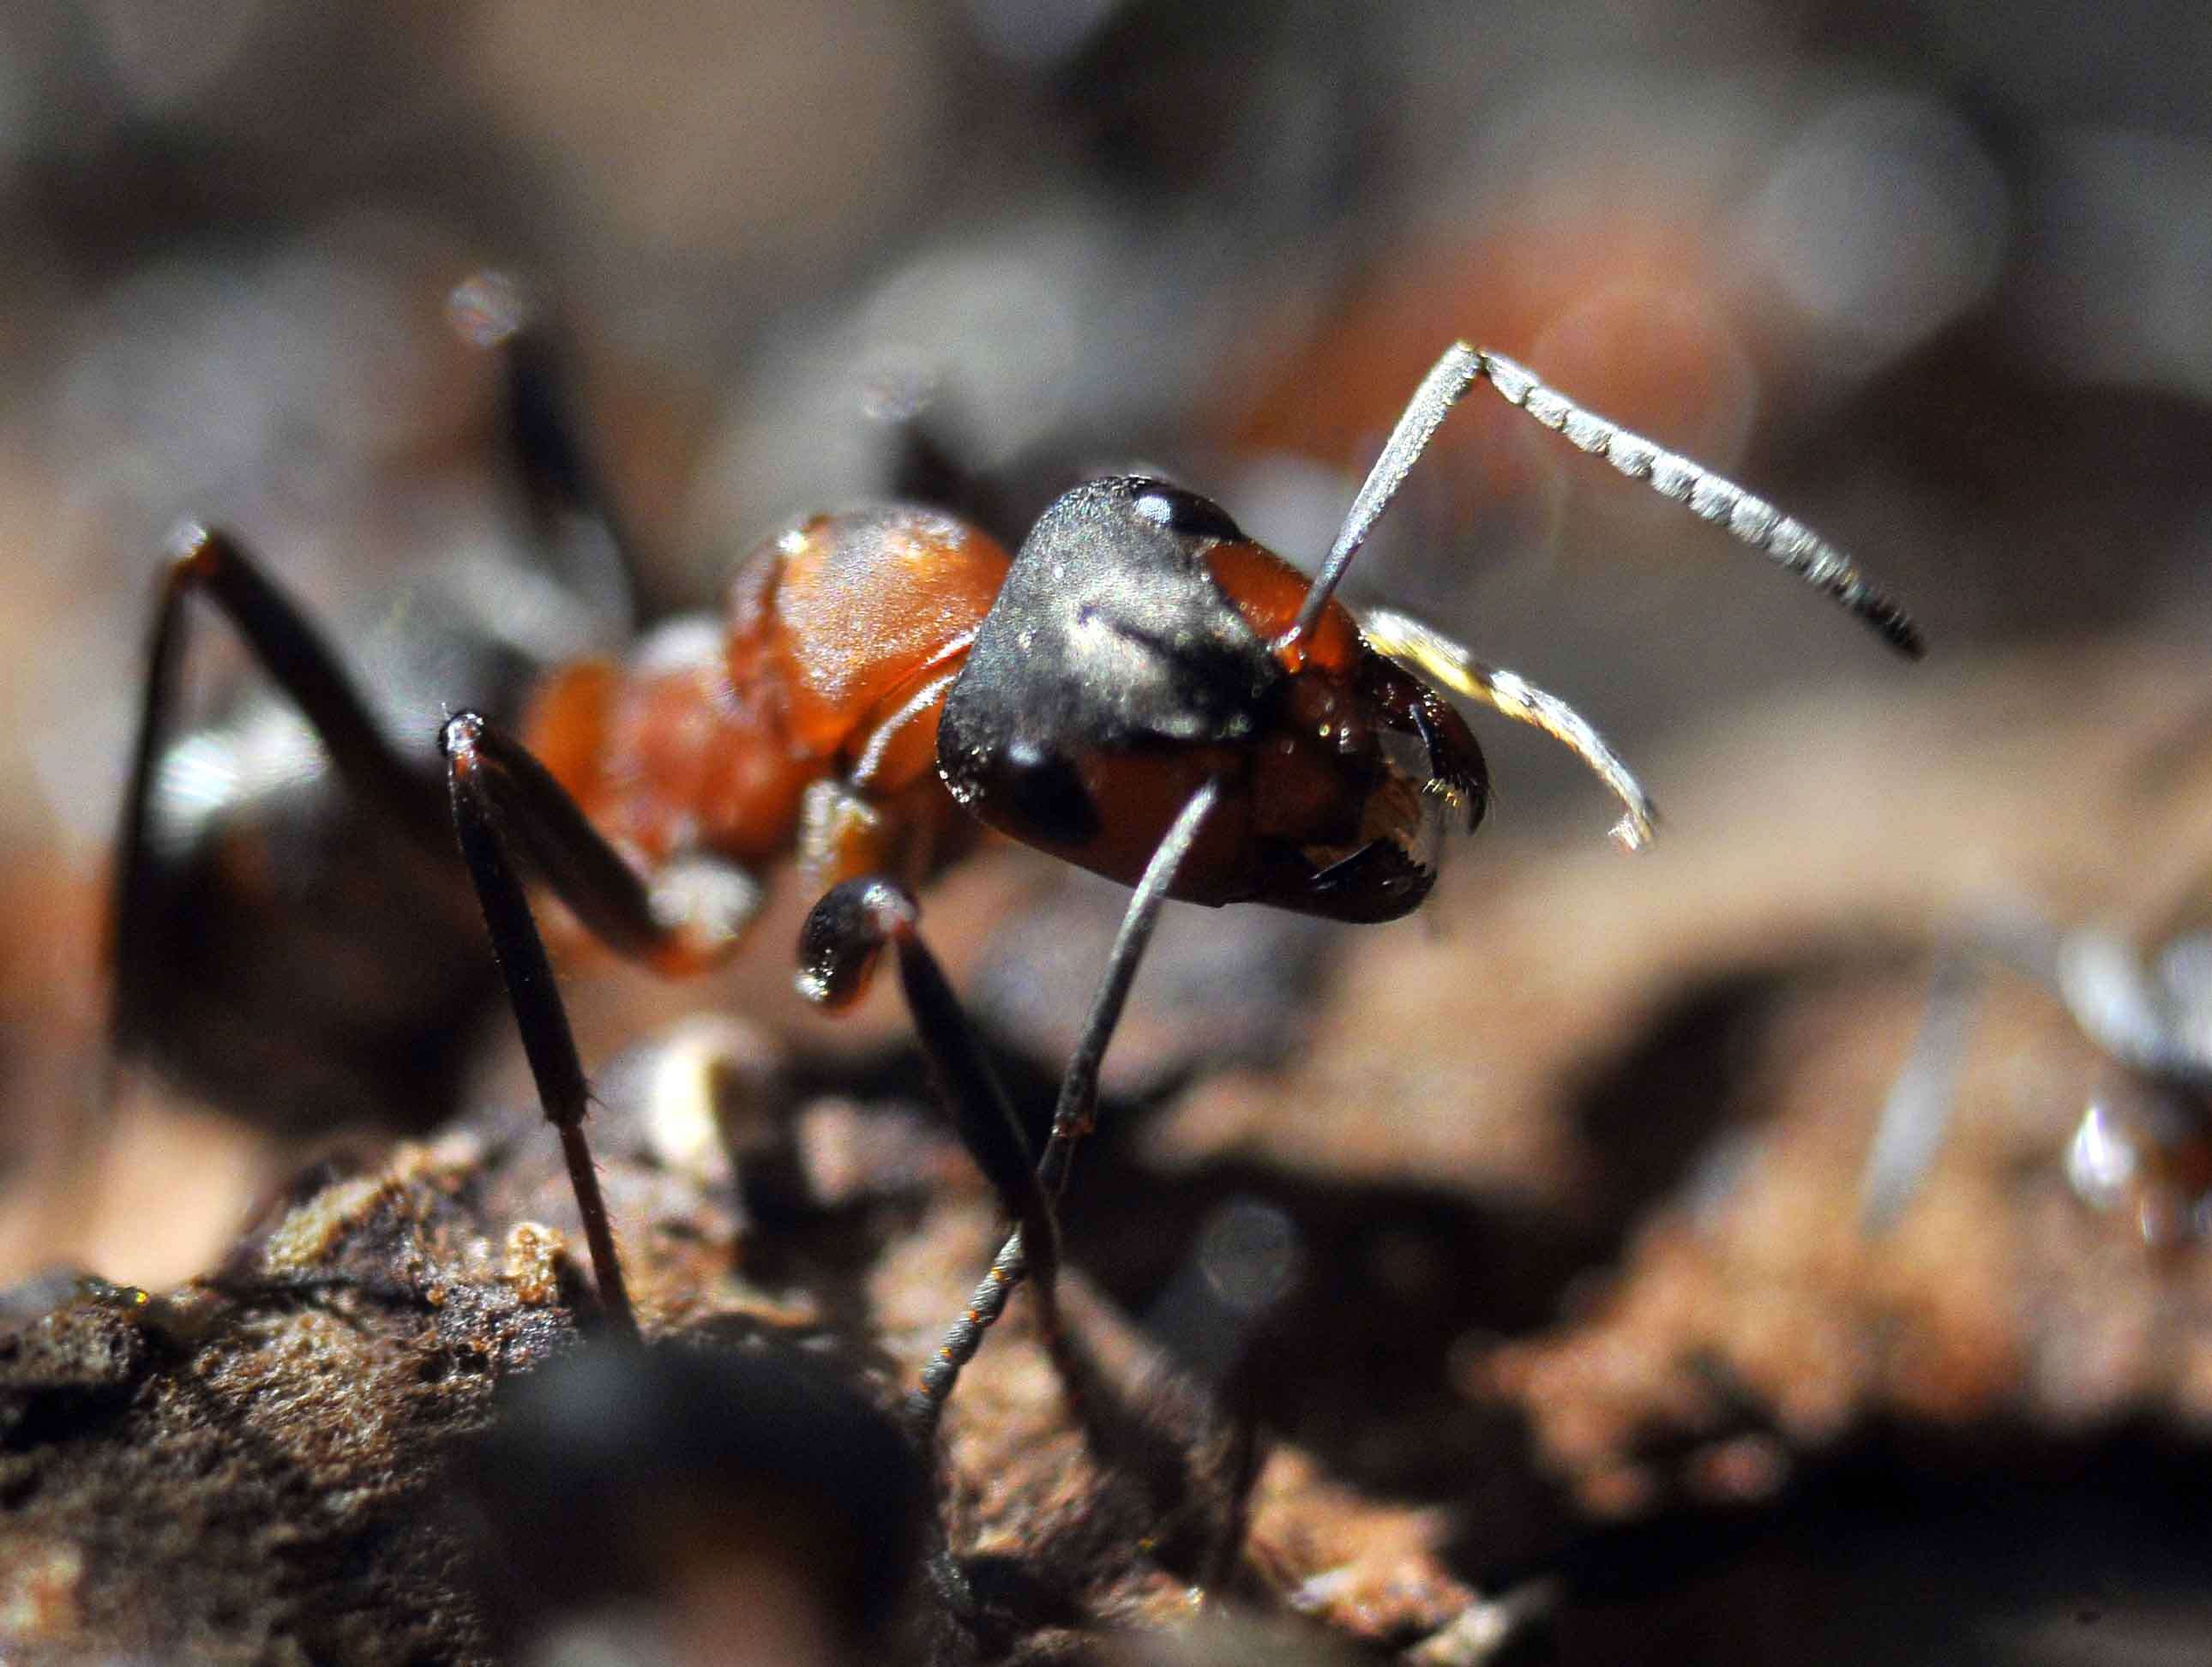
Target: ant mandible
(1142,689)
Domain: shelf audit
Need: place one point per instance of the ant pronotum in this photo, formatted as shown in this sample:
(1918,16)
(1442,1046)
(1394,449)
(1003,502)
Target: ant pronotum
(1142,689)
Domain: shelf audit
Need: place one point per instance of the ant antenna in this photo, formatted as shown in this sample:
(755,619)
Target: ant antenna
(1072,1118)
(1401,637)
(1753,521)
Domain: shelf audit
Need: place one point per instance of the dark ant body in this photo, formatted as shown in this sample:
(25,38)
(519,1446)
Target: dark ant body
(751,1500)
(241,861)
(1141,689)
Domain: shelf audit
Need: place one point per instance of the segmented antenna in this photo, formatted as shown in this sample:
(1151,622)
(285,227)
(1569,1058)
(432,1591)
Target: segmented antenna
(1401,637)
(1753,521)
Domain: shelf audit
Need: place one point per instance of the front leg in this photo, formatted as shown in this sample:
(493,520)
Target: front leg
(1071,1120)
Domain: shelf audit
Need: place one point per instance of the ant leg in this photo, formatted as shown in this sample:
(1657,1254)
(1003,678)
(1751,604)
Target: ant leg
(506,804)
(1401,637)
(926,461)
(547,1039)
(1073,1117)
(1918,1109)
(2099,979)
(844,935)
(293,654)
(1750,519)
(564,500)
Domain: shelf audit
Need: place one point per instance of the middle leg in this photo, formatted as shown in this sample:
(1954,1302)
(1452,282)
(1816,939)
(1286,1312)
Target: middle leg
(511,814)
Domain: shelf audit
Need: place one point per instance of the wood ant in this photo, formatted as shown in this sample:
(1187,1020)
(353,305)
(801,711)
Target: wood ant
(2143,1142)
(1141,689)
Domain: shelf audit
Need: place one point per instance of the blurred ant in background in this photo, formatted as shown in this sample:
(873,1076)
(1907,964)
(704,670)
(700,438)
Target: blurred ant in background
(748,1501)
(1141,689)
(727,1505)
(2143,1143)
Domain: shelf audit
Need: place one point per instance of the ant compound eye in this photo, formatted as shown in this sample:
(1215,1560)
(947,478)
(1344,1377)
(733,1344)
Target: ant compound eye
(1046,794)
(1182,511)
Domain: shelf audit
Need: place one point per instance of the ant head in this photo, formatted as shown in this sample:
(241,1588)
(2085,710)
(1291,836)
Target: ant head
(1135,651)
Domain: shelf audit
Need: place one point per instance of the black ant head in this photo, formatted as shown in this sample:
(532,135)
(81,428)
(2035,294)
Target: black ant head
(1135,652)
